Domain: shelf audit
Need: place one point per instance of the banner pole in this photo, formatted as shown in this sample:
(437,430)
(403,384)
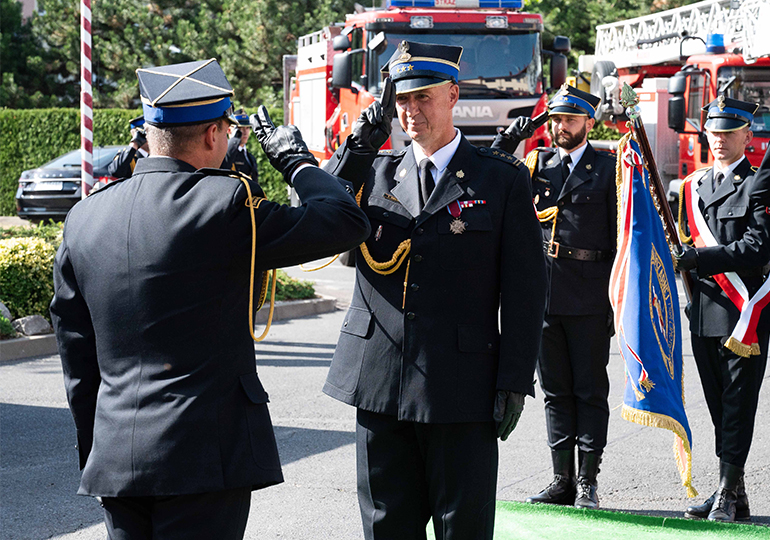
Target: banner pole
(86,101)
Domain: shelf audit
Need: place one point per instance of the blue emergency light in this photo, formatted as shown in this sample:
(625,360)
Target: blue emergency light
(715,43)
(452,4)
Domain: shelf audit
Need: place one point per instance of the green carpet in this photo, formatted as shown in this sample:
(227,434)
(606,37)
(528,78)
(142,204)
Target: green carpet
(520,521)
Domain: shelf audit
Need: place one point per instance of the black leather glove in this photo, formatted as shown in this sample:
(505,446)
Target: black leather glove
(283,145)
(139,137)
(373,126)
(521,128)
(688,260)
(508,407)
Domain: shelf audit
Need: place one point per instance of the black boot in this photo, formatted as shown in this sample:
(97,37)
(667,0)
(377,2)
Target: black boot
(742,512)
(586,483)
(562,489)
(727,493)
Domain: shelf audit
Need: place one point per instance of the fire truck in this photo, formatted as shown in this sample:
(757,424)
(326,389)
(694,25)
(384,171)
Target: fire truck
(501,69)
(680,60)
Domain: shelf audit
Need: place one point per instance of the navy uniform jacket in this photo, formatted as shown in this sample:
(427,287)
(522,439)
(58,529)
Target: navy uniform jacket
(587,219)
(442,356)
(237,160)
(151,316)
(737,215)
(122,166)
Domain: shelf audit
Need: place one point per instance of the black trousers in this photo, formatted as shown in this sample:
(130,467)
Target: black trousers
(219,514)
(410,472)
(572,368)
(731,385)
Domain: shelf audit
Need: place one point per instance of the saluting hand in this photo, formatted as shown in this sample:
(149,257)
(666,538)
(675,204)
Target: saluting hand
(375,123)
(283,145)
(508,408)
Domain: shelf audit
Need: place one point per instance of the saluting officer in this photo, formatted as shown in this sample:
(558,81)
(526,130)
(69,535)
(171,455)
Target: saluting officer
(724,212)
(455,243)
(238,158)
(122,166)
(573,187)
(151,314)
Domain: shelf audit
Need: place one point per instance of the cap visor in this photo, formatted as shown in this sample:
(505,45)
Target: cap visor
(404,86)
(717,125)
(573,111)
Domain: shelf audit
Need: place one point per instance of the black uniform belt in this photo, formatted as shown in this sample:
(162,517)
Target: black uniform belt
(560,251)
(758,272)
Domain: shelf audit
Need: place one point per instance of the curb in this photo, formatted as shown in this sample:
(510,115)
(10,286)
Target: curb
(27,347)
(31,346)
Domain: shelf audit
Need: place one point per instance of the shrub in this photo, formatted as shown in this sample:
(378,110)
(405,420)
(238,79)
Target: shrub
(6,329)
(51,232)
(26,269)
(289,288)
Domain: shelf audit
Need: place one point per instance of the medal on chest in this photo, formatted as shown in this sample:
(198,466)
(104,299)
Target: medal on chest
(455,208)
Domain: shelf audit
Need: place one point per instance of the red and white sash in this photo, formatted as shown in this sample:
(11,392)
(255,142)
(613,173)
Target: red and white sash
(743,341)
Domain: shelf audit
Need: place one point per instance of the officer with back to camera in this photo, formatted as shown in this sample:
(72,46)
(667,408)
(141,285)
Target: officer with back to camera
(151,314)
(573,187)
(726,217)
(455,244)
(122,166)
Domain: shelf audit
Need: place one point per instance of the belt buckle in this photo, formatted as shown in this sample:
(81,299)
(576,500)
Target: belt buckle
(553,250)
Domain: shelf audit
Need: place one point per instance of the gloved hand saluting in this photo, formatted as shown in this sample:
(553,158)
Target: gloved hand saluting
(508,407)
(138,137)
(283,145)
(373,126)
(521,128)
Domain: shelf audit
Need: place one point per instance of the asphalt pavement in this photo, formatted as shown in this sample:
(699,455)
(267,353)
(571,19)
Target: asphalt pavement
(38,462)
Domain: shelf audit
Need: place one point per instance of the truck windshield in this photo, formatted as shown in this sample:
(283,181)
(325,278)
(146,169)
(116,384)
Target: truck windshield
(491,66)
(751,84)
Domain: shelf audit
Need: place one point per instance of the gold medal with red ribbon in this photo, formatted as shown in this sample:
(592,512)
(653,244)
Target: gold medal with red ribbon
(455,208)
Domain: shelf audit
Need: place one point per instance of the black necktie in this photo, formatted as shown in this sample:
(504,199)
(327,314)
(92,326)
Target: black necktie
(426,180)
(718,177)
(565,166)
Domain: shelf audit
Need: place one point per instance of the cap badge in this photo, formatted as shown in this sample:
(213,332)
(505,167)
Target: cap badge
(721,103)
(588,166)
(460,174)
(403,46)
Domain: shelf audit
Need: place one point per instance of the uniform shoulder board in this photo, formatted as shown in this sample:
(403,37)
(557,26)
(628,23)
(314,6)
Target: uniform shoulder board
(498,154)
(107,185)
(210,171)
(391,152)
(696,174)
(549,149)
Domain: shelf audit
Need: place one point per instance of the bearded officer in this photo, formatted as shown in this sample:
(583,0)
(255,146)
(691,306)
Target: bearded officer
(573,187)
(455,244)
(238,158)
(151,314)
(724,212)
(122,166)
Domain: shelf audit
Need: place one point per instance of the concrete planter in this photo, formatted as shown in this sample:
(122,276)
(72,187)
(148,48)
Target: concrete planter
(28,347)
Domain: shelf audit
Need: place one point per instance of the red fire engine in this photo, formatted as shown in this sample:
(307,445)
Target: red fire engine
(501,70)
(680,60)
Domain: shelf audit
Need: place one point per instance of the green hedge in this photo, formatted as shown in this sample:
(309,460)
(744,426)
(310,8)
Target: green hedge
(26,270)
(31,137)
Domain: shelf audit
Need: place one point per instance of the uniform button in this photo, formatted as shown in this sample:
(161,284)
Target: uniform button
(558,220)
(706,218)
(561,203)
(346,323)
(414,287)
(418,258)
(386,214)
(729,213)
(410,315)
(420,230)
(557,238)
(489,346)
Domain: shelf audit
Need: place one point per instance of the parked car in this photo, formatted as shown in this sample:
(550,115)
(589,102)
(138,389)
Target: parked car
(49,191)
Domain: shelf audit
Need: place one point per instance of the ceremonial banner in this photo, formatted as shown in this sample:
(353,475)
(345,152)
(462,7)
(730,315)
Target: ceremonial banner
(644,297)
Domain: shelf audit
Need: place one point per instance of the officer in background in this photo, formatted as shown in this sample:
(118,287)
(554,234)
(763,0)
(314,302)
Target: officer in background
(573,187)
(733,203)
(151,314)
(455,243)
(123,164)
(238,158)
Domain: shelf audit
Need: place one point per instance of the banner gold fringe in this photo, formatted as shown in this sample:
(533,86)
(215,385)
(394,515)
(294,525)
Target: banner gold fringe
(741,349)
(651,419)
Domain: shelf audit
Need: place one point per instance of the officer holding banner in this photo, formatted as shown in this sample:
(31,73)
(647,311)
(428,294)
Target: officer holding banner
(724,213)
(152,313)
(438,348)
(573,187)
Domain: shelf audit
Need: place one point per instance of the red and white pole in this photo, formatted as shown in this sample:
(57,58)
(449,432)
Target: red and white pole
(86,100)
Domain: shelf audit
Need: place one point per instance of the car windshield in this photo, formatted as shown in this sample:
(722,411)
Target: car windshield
(102,156)
(504,65)
(751,84)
